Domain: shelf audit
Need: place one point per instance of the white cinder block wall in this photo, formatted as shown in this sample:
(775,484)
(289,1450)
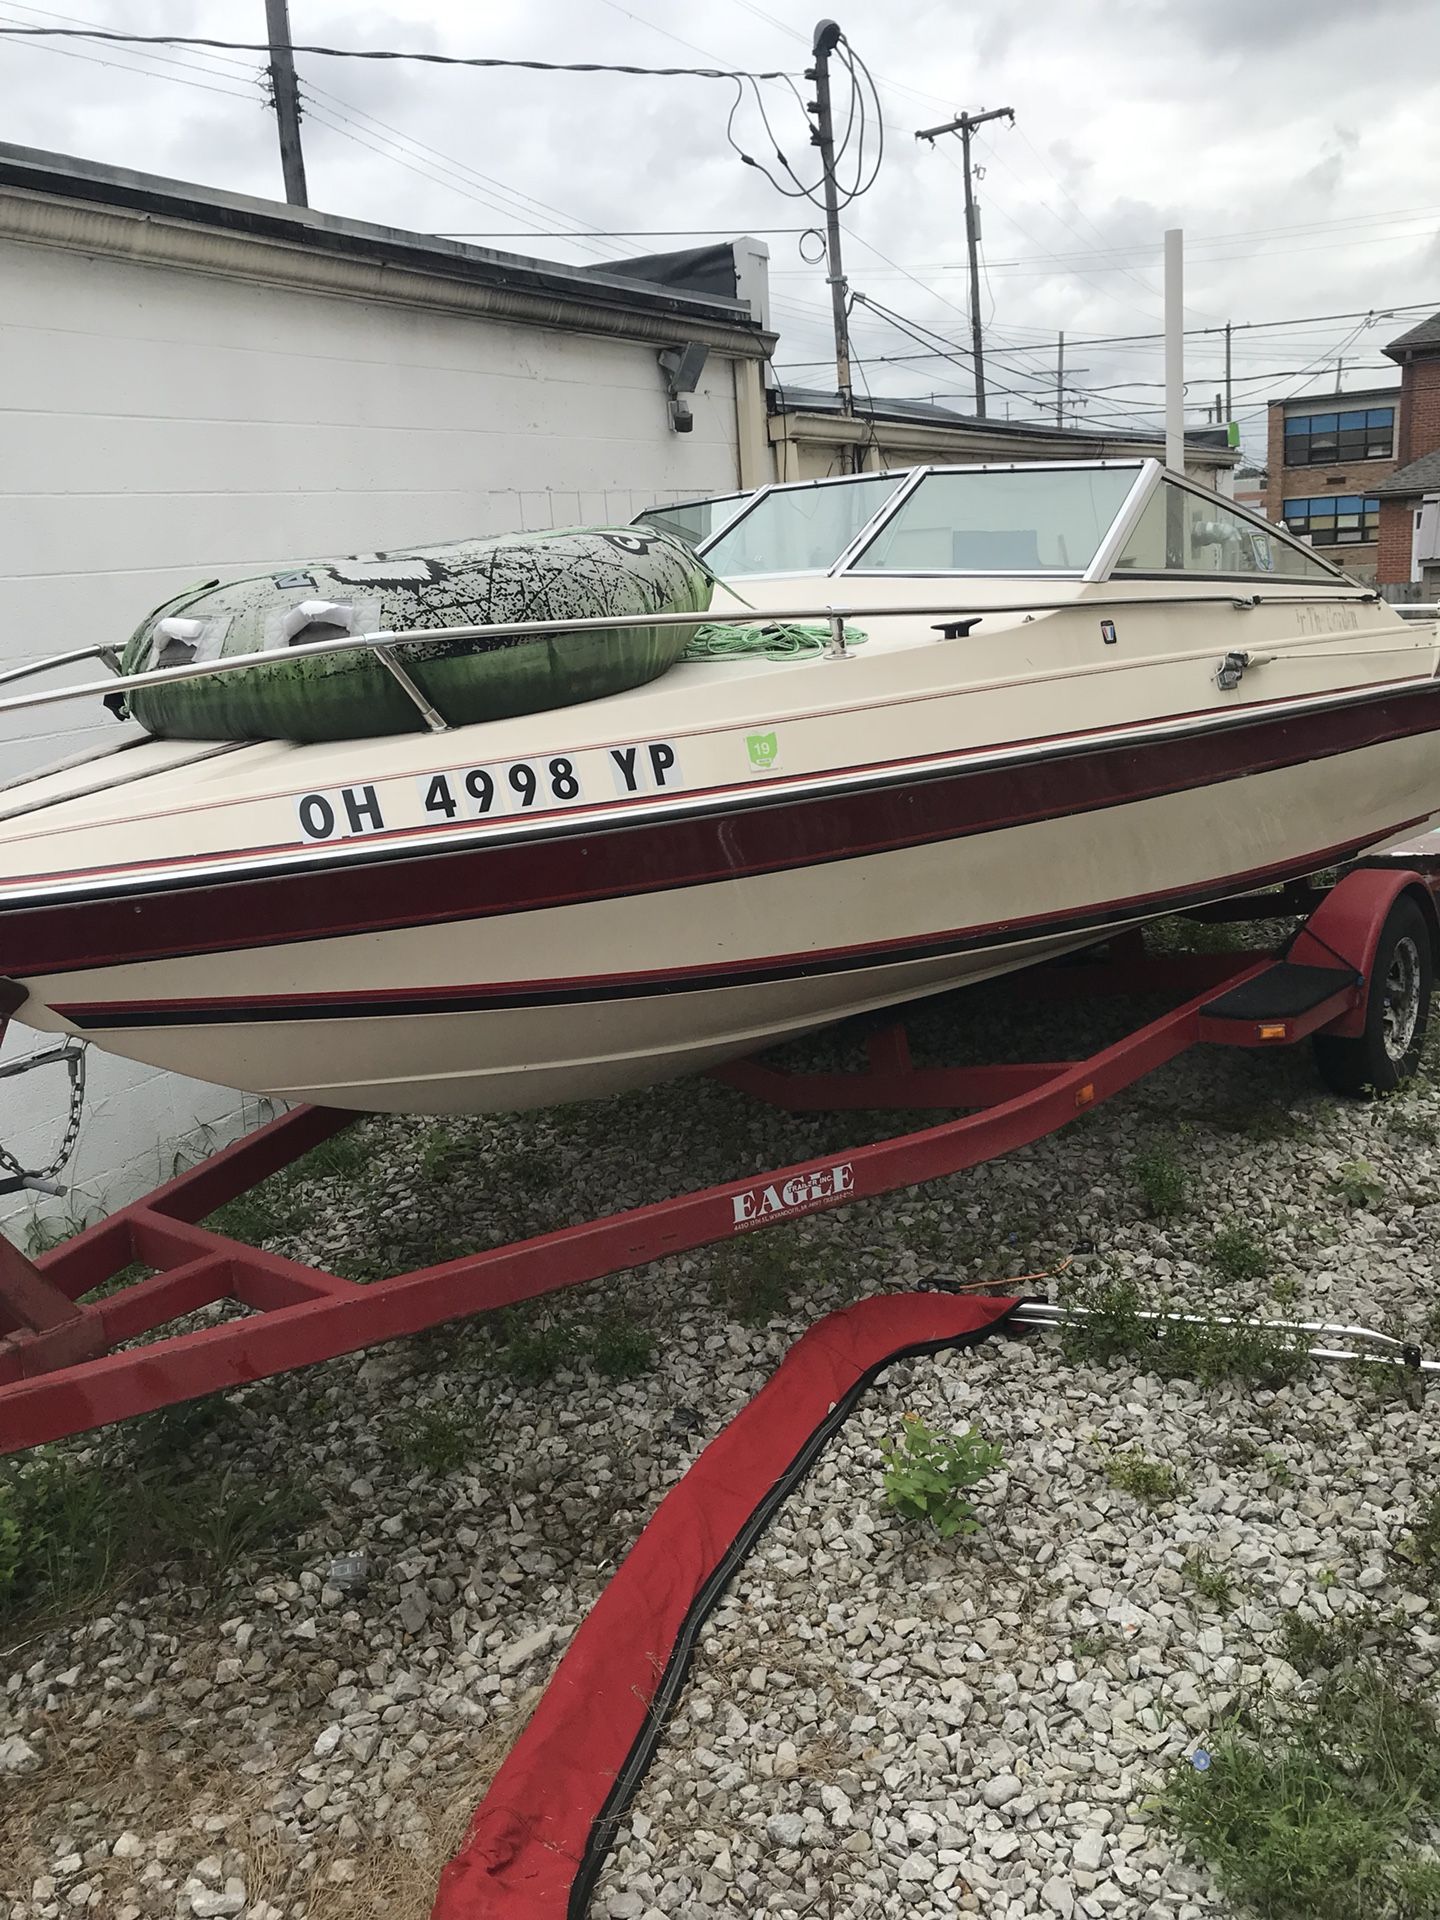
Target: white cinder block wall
(160,424)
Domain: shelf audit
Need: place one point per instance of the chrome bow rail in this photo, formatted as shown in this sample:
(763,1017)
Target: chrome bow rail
(385,643)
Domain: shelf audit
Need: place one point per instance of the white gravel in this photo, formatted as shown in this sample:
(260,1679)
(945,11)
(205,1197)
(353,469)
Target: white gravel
(878,1723)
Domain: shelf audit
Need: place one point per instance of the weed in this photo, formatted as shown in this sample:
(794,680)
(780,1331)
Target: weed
(43,1233)
(926,1471)
(1313,1811)
(1359,1184)
(619,1348)
(1162,1181)
(1091,1645)
(1212,1583)
(531,1350)
(1422,1539)
(1112,1323)
(1286,1290)
(753,1278)
(439,1151)
(435,1439)
(1327,1578)
(70,1532)
(1238,1254)
(1149,1480)
(1279,1469)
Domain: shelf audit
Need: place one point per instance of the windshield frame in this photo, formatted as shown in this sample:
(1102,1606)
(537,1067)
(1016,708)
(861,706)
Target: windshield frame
(1149,475)
(906,477)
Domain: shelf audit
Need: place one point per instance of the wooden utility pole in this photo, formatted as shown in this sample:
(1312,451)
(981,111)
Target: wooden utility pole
(286,97)
(1060,383)
(827,37)
(965,124)
(1229,401)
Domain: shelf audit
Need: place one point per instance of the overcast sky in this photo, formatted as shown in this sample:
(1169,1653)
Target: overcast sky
(1297,147)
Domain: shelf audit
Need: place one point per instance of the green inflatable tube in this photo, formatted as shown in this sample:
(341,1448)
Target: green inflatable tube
(574,575)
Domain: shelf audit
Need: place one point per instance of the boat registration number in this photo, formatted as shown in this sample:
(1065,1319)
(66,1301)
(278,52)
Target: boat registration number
(482,793)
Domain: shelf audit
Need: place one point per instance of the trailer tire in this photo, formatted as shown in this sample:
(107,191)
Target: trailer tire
(1397,1011)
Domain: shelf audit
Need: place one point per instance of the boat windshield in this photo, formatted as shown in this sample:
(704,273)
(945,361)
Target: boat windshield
(693,521)
(1021,520)
(800,529)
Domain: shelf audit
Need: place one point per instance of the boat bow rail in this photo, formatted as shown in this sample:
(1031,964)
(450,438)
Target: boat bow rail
(954,611)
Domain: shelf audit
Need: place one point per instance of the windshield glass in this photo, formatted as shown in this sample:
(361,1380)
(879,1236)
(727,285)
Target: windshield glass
(693,520)
(800,529)
(1034,519)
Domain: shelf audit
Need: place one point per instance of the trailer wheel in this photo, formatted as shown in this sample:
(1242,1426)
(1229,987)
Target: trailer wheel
(1397,1011)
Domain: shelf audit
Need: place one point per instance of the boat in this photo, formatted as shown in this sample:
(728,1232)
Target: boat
(1049,702)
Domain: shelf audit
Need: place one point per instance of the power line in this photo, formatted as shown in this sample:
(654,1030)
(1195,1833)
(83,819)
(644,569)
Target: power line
(620,233)
(384,53)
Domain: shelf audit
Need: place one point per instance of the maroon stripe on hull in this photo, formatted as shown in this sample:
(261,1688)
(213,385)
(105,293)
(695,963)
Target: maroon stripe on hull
(759,836)
(567,991)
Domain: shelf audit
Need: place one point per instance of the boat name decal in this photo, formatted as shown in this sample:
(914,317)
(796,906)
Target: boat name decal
(504,787)
(825,1186)
(1327,618)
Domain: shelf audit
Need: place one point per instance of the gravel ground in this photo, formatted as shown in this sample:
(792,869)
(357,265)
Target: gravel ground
(878,1722)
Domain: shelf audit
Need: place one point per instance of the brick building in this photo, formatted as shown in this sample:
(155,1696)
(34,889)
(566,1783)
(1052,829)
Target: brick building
(1358,474)
(1327,454)
(1410,496)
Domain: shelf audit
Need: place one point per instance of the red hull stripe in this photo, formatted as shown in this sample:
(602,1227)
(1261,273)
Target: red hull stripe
(763,836)
(540,1835)
(383,1003)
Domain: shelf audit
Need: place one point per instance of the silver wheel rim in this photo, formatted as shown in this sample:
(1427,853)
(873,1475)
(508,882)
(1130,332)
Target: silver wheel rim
(1401,1004)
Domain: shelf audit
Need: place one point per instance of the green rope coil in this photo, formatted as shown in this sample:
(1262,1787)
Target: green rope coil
(779,640)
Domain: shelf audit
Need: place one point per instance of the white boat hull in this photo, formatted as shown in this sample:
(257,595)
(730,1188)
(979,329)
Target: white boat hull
(624,999)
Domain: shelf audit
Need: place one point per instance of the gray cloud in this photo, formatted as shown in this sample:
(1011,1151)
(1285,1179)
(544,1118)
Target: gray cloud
(1247,124)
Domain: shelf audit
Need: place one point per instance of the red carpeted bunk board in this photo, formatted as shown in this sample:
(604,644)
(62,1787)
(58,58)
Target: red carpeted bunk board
(540,1835)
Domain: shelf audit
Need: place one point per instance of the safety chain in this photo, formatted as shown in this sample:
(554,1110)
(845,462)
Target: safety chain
(13,1177)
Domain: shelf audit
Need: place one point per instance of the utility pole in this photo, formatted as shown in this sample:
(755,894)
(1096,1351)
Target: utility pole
(965,124)
(1229,400)
(287,100)
(1060,383)
(827,36)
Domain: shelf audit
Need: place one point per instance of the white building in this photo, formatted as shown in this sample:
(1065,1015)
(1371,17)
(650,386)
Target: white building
(194,384)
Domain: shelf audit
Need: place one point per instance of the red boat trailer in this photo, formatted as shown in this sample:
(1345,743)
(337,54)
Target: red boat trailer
(67,1364)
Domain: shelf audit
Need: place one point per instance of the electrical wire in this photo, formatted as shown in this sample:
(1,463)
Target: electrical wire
(383,53)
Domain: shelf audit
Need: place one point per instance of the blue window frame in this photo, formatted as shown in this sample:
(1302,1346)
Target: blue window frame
(1335,519)
(1357,433)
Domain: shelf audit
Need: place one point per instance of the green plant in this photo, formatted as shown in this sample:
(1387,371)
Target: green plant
(1422,1538)
(1135,1473)
(754,1277)
(1312,1810)
(619,1348)
(45,1232)
(71,1531)
(440,1149)
(1238,1254)
(1286,1290)
(926,1473)
(1091,1645)
(1327,1578)
(1110,1321)
(436,1439)
(1212,1583)
(1162,1181)
(1279,1469)
(532,1348)
(1359,1184)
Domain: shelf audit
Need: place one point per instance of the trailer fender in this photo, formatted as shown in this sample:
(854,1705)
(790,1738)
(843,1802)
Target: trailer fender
(1347,924)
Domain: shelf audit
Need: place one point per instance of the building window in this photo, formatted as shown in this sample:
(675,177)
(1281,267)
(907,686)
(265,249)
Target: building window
(1335,519)
(1320,439)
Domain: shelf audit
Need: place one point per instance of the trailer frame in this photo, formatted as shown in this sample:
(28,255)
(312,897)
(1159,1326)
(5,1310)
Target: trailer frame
(70,1363)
